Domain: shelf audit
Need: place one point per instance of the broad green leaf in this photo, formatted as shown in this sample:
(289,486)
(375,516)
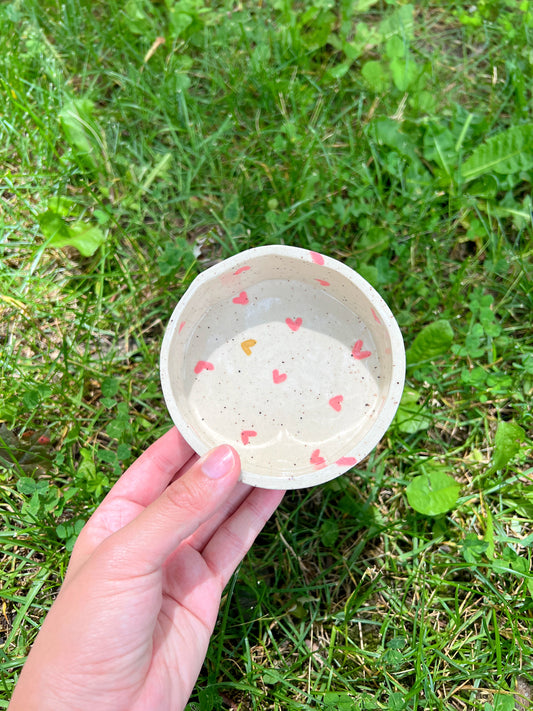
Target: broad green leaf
(400,22)
(405,71)
(316,30)
(433,493)
(85,237)
(53,226)
(376,75)
(507,152)
(271,676)
(395,47)
(232,210)
(62,530)
(365,36)
(370,273)
(396,701)
(412,417)
(135,16)
(375,240)
(109,386)
(397,643)
(80,523)
(362,5)
(474,548)
(62,205)
(505,702)
(339,70)
(388,132)
(425,100)
(507,442)
(338,701)
(26,485)
(511,560)
(81,132)
(181,82)
(329,532)
(123,451)
(179,21)
(393,658)
(433,341)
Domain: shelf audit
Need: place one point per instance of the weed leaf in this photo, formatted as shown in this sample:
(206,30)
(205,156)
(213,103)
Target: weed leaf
(507,442)
(232,210)
(361,5)
(412,417)
(135,17)
(81,133)
(179,21)
(473,548)
(433,341)
(375,73)
(85,237)
(338,701)
(507,152)
(404,71)
(504,702)
(53,226)
(433,493)
(329,533)
(400,22)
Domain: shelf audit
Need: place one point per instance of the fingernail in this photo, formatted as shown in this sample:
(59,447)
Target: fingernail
(218,462)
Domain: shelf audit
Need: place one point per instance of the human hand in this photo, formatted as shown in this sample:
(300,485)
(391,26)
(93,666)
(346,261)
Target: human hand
(130,627)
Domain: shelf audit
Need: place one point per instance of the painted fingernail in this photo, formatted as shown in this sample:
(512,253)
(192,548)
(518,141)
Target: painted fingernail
(218,462)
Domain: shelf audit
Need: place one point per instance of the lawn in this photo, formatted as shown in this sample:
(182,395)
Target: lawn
(141,142)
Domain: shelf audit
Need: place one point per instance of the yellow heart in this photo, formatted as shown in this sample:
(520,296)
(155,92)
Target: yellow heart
(248,345)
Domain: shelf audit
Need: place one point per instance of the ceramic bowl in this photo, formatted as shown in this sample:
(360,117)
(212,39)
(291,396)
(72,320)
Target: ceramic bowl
(288,355)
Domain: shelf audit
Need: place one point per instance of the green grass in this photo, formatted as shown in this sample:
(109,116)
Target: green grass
(354,128)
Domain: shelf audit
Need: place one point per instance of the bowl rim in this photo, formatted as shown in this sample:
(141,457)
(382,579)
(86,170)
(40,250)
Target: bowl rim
(382,313)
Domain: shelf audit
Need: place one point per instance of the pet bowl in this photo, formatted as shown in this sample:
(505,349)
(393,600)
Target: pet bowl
(289,356)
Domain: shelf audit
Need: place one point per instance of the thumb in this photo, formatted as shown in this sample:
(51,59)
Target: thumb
(145,543)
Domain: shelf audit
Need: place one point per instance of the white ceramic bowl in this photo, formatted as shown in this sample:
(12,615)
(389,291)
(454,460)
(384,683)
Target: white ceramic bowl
(289,356)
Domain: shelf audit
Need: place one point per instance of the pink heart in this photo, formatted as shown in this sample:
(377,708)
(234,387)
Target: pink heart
(245,436)
(317,460)
(203,365)
(346,461)
(241,299)
(357,353)
(240,270)
(278,377)
(322,282)
(317,258)
(336,401)
(293,325)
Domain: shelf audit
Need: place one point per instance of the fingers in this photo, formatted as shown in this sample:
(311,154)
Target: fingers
(199,539)
(234,537)
(143,545)
(141,484)
(149,476)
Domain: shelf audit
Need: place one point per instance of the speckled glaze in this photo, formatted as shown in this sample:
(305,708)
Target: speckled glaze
(288,355)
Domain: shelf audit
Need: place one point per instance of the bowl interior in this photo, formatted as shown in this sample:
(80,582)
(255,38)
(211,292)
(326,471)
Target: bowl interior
(287,358)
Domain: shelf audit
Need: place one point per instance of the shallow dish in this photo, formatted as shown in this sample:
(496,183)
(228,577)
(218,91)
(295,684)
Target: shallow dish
(288,355)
